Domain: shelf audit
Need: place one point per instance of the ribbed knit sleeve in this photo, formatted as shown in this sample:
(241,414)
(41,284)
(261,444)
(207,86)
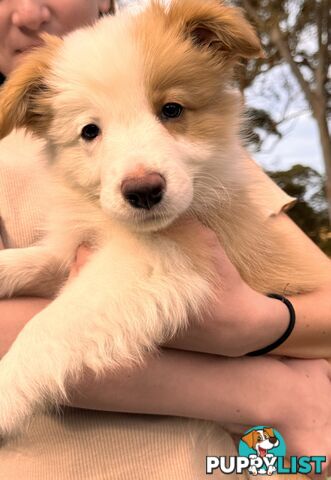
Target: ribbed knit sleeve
(23,180)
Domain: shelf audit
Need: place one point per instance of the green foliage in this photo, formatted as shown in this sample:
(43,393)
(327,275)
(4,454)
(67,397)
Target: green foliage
(311,211)
(258,120)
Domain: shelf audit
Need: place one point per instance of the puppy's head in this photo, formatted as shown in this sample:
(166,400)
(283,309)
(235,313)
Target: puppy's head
(137,111)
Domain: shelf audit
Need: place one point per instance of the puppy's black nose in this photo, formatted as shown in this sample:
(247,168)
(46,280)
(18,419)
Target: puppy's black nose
(144,192)
(273,440)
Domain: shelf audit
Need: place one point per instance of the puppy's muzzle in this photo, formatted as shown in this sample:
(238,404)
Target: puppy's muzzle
(144,192)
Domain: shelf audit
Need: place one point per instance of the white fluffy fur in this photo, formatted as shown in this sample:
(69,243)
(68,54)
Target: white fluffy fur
(146,276)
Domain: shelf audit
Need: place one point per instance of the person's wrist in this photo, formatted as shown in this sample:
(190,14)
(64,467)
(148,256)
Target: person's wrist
(245,322)
(266,321)
(251,321)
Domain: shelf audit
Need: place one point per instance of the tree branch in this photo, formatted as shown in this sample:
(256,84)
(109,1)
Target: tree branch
(252,13)
(279,41)
(323,27)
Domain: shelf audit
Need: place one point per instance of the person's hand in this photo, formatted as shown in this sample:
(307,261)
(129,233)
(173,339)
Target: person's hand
(307,422)
(299,408)
(234,324)
(82,255)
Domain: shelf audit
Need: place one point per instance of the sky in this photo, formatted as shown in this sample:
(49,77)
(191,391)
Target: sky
(300,142)
(299,145)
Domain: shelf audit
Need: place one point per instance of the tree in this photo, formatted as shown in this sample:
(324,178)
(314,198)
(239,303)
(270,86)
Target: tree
(283,26)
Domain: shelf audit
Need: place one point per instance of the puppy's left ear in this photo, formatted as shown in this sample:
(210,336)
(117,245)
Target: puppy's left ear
(22,97)
(220,28)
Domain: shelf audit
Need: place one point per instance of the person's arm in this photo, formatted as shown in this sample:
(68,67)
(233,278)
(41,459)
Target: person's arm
(14,314)
(239,393)
(311,337)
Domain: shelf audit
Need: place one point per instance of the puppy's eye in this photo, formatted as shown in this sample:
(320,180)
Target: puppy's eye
(90,132)
(171,110)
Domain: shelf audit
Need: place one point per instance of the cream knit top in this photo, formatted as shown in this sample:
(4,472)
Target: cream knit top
(86,445)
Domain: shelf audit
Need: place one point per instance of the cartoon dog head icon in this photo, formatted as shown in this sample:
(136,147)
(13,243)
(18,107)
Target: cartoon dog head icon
(261,440)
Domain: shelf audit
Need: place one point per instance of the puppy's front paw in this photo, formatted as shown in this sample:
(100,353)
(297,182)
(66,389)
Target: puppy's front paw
(15,408)
(21,391)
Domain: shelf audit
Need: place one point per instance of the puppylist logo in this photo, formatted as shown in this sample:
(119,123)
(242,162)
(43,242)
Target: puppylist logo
(262,451)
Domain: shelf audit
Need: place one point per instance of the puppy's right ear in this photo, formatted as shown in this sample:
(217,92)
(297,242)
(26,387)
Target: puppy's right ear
(23,97)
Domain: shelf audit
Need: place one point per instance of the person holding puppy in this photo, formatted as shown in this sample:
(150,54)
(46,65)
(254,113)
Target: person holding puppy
(177,382)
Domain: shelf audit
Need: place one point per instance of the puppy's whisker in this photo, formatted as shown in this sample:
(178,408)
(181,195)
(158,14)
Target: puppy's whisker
(216,183)
(219,194)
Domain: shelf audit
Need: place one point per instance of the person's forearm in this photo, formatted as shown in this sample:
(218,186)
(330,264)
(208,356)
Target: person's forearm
(175,382)
(190,385)
(14,314)
(311,337)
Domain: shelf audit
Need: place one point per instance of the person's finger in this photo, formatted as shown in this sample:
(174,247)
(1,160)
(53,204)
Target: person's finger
(82,255)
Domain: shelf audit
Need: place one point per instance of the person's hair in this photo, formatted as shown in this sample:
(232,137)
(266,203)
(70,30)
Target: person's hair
(111,11)
(112,7)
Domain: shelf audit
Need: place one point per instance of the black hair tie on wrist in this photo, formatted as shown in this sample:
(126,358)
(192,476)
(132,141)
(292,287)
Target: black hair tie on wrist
(285,335)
